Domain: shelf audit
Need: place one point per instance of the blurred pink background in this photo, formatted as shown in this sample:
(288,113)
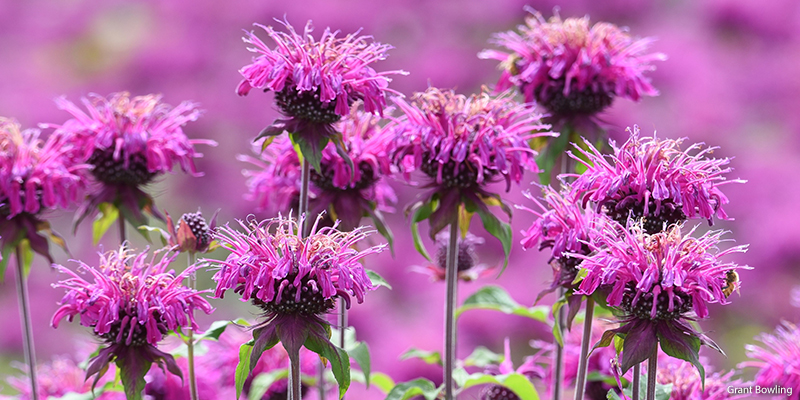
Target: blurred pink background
(732,80)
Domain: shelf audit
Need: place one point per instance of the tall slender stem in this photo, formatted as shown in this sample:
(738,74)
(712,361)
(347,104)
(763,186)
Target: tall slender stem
(652,370)
(342,325)
(637,372)
(190,342)
(294,379)
(121,222)
(27,326)
(451,276)
(580,384)
(558,357)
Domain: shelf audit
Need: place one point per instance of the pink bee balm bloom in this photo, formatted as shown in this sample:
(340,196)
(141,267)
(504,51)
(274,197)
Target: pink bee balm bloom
(293,279)
(658,281)
(130,141)
(778,360)
(57,378)
(571,68)
(687,384)
(463,143)
(35,175)
(130,303)
(348,195)
(315,82)
(563,227)
(655,180)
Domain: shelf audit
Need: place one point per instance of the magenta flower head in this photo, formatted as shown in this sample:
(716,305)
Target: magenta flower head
(315,82)
(294,280)
(563,227)
(688,385)
(349,188)
(467,261)
(131,303)
(35,176)
(56,379)
(657,282)
(462,144)
(777,361)
(654,180)
(129,141)
(570,68)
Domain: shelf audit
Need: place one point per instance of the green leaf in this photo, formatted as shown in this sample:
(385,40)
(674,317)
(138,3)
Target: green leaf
(360,353)
(217,328)
(382,226)
(498,229)
(339,359)
(145,229)
(382,381)
(663,392)
(685,347)
(267,141)
(243,368)
(417,387)
(558,333)
(555,148)
(262,382)
(108,215)
(429,357)
(421,212)
(496,298)
(517,383)
(377,280)
(482,357)
(310,151)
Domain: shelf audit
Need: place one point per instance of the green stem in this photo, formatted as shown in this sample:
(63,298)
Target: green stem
(558,357)
(27,325)
(190,340)
(303,206)
(652,370)
(121,228)
(294,378)
(580,385)
(637,371)
(451,276)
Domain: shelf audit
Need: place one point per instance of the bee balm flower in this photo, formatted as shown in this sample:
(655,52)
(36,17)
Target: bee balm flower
(571,68)
(131,304)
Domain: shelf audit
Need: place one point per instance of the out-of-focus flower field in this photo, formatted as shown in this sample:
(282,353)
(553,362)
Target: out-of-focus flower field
(732,79)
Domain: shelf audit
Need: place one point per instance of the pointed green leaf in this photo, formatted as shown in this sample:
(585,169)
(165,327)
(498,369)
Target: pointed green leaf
(377,280)
(377,379)
(382,227)
(338,358)
(108,215)
(498,229)
(360,353)
(417,387)
(262,382)
(162,234)
(482,357)
(217,328)
(243,368)
(267,141)
(558,333)
(496,298)
(685,347)
(517,383)
(555,148)
(310,151)
(429,357)
(421,212)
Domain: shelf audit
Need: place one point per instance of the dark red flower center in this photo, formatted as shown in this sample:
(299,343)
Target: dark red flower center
(682,303)
(311,302)
(465,176)
(652,223)
(111,171)
(306,105)
(577,102)
(138,333)
(324,180)
(200,230)
(466,257)
(497,392)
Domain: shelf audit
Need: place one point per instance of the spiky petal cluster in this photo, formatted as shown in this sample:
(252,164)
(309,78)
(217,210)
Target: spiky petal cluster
(35,175)
(466,141)
(129,141)
(654,179)
(130,302)
(687,385)
(563,226)
(266,266)
(347,194)
(658,276)
(571,68)
(778,360)
(332,70)
(57,378)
